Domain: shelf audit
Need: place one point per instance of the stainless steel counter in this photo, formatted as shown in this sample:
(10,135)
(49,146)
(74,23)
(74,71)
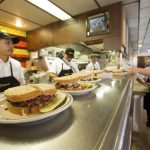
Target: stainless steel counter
(96,121)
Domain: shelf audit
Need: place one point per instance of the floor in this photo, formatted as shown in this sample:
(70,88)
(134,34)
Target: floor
(141,141)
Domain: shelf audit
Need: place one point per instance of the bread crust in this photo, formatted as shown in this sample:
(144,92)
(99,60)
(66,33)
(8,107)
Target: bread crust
(45,89)
(97,71)
(24,110)
(21,93)
(67,79)
(84,74)
(118,71)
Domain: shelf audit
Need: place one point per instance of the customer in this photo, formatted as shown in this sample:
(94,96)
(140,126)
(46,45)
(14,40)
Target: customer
(11,73)
(63,66)
(93,65)
(146,72)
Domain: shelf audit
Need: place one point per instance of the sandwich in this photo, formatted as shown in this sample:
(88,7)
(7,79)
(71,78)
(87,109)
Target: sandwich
(118,71)
(28,99)
(96,72)
(84,75)
(71,83)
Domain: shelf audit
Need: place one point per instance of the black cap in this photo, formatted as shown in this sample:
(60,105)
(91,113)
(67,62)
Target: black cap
(6,36)
(94,55)
(70,52)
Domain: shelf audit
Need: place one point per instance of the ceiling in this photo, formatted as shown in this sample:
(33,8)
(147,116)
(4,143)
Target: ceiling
(33,17)
(144,28)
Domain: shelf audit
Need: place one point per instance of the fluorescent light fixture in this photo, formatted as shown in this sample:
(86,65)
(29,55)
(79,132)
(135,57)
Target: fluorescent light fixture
(49,7)
(18,23)
(140,45)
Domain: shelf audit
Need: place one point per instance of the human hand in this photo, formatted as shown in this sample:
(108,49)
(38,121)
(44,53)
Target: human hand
(132,71)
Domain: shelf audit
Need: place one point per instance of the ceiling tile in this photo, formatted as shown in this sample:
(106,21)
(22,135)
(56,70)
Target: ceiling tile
(132,22)
(77,6)
(27,10)
(11,19)
(144,12)
(128,1)
(106,2)
(144,3)
(131,11)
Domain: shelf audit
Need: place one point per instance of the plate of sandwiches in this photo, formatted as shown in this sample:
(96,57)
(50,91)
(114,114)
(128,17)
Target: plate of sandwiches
(33,102)
(119,72)
(73,85)
(88,76)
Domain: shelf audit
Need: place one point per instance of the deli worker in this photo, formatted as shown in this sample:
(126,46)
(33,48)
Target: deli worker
(93,65)
(64,65)
(11,74)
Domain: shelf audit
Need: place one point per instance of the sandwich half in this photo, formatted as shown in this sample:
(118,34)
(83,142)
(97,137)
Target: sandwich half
(29,99)
(71,83)
(95,72)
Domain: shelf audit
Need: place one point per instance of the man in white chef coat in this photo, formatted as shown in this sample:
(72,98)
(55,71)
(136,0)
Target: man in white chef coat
(63,66)
(11,73)
(93,65)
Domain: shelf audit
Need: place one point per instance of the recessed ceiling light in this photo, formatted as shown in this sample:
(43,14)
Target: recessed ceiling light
(140,45)
(18,23)
(4,31)
(49,7)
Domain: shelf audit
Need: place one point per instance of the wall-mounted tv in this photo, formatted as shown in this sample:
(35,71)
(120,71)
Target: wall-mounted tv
(98,24)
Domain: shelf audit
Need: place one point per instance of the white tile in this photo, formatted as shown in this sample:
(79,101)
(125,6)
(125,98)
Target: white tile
(144,3)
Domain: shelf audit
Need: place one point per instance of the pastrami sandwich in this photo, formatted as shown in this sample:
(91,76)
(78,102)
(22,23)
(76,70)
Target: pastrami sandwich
(71,83)
(118,71)
(84,75)
(95,72)
(29,99)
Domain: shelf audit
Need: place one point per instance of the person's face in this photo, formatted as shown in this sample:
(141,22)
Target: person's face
(94,59)
(67,57)
(6,47)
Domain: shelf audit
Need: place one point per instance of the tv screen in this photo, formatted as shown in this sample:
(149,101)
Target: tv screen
(98,24)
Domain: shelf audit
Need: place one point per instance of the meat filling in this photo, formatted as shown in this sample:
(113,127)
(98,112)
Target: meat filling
(75,86)
(42,99)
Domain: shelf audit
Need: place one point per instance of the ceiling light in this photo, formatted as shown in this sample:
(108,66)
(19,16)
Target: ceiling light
(140,45)
(18,23)
(4,31)
(51,8)
(148,50)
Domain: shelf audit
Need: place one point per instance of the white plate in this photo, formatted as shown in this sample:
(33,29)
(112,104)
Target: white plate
(7,117)
(81,92)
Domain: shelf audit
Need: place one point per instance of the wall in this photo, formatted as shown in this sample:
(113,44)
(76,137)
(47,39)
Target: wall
(73,31)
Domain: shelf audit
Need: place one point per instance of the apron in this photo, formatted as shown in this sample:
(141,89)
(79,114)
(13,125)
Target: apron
(8,82)
(147,98)
(65,72)
(94,67)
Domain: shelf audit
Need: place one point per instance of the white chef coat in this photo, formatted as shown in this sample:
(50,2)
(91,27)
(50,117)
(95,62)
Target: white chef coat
(93,66)
(56,66)
(5,70)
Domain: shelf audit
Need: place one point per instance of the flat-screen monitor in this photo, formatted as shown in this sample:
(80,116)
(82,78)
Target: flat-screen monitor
(98,24)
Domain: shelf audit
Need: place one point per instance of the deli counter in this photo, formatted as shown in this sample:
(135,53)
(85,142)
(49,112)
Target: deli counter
(99,120)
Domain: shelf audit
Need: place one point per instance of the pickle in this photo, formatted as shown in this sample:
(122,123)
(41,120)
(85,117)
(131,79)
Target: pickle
(60,98)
